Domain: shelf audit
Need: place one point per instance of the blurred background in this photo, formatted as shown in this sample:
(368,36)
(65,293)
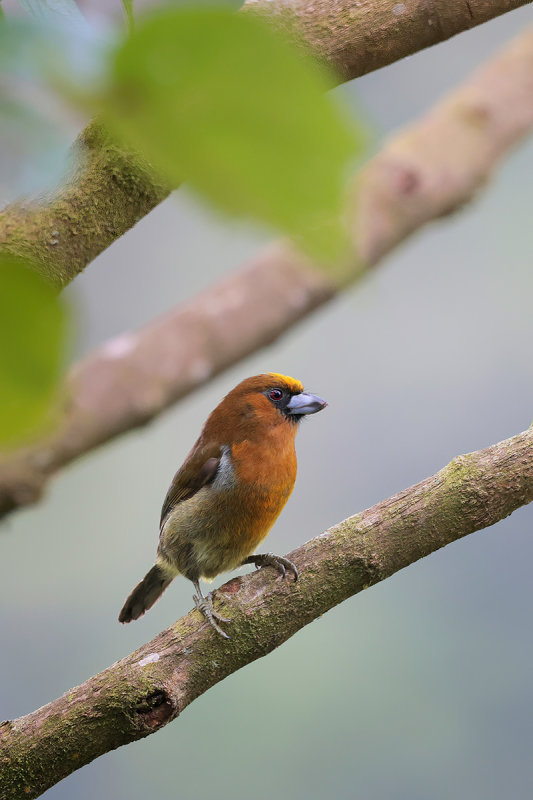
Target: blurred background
(417,688)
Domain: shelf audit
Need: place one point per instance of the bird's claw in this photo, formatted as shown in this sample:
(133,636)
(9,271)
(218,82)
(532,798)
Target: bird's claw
(209,599)
(205,607)
(278,562)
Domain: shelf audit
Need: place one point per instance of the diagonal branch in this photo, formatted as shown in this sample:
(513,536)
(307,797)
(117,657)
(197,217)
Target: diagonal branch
(354,38)
(111,188)
(432,168)
(108,190)
(141,693)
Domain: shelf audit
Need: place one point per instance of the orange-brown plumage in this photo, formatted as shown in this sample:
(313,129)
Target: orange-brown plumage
(230,489)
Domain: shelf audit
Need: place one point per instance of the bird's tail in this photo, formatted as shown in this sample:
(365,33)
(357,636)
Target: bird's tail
(145,593)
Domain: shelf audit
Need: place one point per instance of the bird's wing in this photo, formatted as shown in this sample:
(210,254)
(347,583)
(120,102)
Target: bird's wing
(188,480)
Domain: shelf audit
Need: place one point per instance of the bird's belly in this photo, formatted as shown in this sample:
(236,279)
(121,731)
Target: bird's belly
(215,531)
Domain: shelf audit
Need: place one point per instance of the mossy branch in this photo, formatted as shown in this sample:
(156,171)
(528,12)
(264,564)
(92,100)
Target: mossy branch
(110,188)
(141,693)
(433,167)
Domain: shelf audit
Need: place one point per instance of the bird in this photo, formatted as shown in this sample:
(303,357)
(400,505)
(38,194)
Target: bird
(229,491)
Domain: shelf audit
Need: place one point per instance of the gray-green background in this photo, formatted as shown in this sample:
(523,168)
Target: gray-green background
(418,689)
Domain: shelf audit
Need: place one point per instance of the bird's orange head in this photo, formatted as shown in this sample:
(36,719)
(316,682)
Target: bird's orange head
(270,400)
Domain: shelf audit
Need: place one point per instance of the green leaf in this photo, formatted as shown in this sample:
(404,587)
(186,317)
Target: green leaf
(128,10)
(221,100)
(32,345)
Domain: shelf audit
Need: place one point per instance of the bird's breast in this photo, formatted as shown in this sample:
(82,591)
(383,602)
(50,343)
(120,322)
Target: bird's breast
(224,522)
(253,483)
(269,462)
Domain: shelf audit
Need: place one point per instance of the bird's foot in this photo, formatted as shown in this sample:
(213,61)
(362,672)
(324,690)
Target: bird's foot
(205,606)
(270,560)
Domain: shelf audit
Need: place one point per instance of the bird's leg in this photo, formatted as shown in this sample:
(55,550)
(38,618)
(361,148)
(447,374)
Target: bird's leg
(205,606)
(270,560)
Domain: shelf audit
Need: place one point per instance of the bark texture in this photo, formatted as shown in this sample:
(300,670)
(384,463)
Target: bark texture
(141,693)
(354,38)
(111,188)
(427,171)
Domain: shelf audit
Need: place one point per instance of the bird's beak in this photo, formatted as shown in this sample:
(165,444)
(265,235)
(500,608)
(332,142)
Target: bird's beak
(305,403)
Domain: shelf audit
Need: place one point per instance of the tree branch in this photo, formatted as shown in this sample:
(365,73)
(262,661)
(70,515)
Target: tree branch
(141,693)
(108,190)
(428,170)
(354,38)
(111,188)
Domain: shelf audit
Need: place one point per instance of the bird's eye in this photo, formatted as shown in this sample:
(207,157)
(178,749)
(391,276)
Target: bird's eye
(275,394)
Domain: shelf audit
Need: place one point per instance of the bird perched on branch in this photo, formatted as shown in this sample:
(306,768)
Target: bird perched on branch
(229,492)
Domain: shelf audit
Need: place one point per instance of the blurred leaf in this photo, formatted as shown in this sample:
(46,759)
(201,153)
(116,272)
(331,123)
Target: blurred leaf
(32,344)
(219,99)
(128,10)
(51,11)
